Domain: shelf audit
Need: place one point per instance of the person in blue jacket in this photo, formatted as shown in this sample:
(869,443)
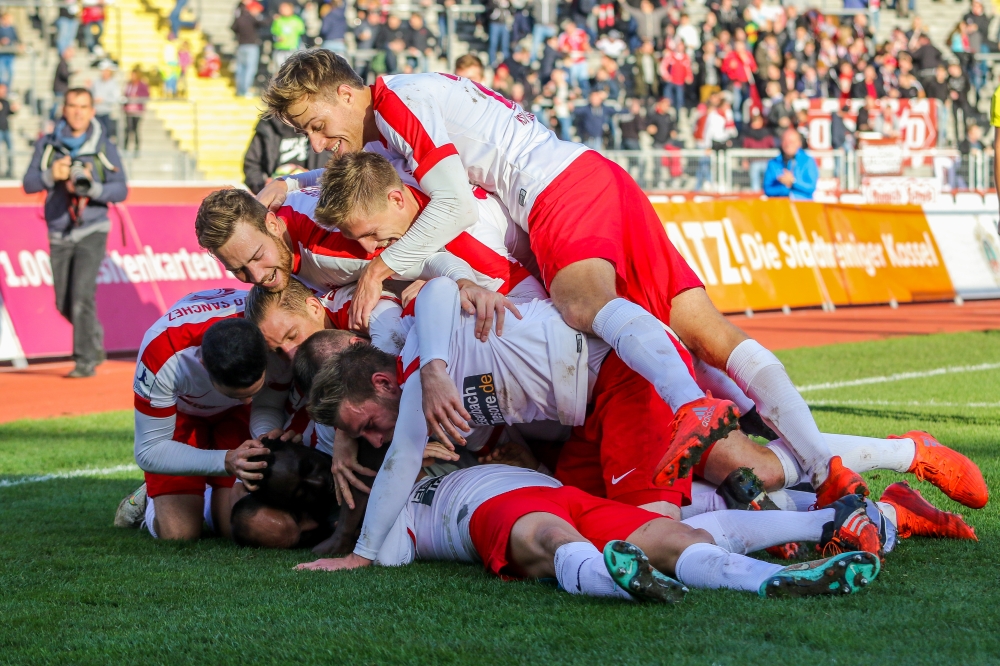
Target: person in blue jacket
(792,173)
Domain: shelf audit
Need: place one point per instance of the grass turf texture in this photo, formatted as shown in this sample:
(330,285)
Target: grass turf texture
(76,590)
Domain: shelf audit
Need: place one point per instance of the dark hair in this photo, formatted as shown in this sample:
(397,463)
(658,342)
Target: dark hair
(234,353)
(348,378)
(80,91)
(318,349)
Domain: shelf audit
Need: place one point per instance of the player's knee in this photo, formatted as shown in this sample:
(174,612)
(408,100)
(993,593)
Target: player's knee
(178,530)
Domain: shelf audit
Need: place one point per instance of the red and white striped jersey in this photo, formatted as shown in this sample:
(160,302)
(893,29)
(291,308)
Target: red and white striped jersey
(169,376)
(324,259)
(505,149)
(384,323)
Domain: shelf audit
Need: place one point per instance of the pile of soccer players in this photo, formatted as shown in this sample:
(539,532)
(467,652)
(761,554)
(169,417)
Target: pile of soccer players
(466,339)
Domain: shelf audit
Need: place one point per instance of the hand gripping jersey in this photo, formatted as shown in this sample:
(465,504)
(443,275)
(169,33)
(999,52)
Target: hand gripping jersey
(384,324)
(427,118)
(434,524)
(169,377)
(540,369)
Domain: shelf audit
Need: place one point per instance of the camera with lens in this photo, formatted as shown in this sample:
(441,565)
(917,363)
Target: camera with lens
(82,182)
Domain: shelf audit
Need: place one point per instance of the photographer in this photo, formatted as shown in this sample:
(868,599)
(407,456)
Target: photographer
(80,171)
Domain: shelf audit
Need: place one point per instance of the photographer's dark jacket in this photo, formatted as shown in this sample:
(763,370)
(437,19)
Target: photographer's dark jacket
(108,180)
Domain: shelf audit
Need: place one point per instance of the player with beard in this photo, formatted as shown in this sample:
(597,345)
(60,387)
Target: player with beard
(266,249)
(601,249)
(540,370)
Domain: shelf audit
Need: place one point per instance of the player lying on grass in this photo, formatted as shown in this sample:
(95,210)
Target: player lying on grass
(600,247)
(288,317)
(199,366)
(521,523)
(531,373)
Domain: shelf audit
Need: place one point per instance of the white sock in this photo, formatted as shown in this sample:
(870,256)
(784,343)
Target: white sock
(707,566)
(863,454)
(794,474)
(712,379)
(748,531)
(643,345)
(793,500)
(762,377)
(580,570)
(703,499)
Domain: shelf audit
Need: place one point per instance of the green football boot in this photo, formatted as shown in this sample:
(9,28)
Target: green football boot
(842,574)
(630,568)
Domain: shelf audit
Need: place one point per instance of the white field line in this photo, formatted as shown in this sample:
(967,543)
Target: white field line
(104,471)
(900,376)
(903,403)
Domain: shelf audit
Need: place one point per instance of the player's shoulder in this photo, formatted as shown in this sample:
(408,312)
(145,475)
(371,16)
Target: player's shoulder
(185,322)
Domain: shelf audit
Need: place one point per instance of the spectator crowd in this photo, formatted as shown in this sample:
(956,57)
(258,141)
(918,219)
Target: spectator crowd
(626,73)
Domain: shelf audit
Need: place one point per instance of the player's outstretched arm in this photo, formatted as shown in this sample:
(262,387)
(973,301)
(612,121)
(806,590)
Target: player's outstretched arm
(395,478)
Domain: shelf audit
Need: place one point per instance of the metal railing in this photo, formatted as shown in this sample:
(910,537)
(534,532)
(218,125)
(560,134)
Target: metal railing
(693,170)
(145,166)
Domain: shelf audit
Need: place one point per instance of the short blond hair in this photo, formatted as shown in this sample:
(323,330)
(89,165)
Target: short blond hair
(354,184)
(307,74)
(221,211)
(291,299)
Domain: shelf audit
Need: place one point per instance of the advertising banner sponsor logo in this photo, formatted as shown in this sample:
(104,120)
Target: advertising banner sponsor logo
(153,259)
(915,121)
(768,254)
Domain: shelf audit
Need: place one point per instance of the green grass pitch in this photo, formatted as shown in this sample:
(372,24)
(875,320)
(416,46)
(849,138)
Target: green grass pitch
(75,590)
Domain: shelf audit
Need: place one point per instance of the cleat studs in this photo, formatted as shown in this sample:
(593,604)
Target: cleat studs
(634,584)
(776,583)
(842,564)
(621,571)
(864,581)
(845,590)
(857,558)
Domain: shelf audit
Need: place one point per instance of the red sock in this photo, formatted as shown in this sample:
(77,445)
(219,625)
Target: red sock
(699,469)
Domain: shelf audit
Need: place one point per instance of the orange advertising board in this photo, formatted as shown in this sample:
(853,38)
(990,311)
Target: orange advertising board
(896,254)
(766,254)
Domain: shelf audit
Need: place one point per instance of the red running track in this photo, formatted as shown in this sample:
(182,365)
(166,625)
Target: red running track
(42,390)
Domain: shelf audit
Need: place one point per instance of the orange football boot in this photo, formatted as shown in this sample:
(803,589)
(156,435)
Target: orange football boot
(841,481)
(958,477)
(915,516)
(786,551)
(696,426)
(850,530)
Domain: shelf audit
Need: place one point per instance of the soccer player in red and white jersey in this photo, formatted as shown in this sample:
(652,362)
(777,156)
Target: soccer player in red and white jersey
(523,524)
(199,366)
(602,252)
(265,248)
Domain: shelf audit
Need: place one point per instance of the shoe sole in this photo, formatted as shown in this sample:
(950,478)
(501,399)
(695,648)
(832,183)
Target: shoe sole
(631,570)
(666,475)
(847,573)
